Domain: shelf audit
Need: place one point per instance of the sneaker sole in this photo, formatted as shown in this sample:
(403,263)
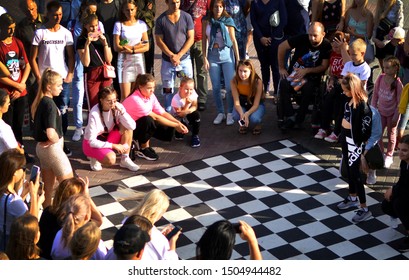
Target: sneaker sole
(347,207)
(195,146)
(141,155)
(127,167)
(362,220)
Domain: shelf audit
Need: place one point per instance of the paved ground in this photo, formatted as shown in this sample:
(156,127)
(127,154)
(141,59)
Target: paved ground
(216,140)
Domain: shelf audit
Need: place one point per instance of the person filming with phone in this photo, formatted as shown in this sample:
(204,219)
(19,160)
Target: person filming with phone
(12,205)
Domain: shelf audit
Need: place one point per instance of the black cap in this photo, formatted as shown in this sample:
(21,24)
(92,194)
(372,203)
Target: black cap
(130,239)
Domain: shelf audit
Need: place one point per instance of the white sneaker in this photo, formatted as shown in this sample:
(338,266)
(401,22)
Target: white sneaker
(223,93)
(77,134)
(129,164)
(220,117)
(388,161)
(321,134)
(229,119)
(371,178)
(95,164)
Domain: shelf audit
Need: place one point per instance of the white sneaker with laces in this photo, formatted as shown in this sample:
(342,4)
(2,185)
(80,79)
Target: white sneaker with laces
(77,134)
(321,134)
(388,161)
(220,117)
(129,164)
(371,178)
(229,119)
(95,164)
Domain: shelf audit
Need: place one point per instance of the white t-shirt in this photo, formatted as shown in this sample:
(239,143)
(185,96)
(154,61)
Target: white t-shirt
(158,248)
(363,70)
(178,102)
(51,49)
(132,33)
(7,138)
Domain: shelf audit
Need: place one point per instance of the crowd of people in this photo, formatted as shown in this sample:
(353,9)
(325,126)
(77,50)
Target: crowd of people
(48,61)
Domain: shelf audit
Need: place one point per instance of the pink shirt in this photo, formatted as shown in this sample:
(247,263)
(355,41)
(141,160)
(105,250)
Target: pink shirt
(138,106)
(385,99)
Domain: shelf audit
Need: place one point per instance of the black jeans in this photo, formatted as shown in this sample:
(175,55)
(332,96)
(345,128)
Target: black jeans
(286,92)
(146,128)
(193,121)
(332,108)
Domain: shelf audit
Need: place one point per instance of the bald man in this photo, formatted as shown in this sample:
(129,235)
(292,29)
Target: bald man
(308,63)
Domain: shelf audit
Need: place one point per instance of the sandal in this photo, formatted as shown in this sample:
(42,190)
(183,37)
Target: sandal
(243,130)
(257,130)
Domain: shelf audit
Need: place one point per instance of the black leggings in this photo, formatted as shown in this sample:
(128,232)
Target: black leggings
(398,207)
(352,154)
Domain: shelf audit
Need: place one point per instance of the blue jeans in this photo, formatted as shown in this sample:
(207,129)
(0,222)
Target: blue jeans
(221,59)
(78,91)
(63,102)
(169,73)
(255,118)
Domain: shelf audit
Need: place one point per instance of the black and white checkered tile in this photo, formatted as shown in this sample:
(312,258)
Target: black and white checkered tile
(287,194)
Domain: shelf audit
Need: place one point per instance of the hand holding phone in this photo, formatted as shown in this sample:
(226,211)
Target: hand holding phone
(33,174)
(173,232)
(241,122)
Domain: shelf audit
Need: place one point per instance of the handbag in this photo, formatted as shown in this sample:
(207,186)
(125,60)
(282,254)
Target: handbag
(275,19)
(109,70)
(384,26)
(4,221)
(370,51)
(374,158)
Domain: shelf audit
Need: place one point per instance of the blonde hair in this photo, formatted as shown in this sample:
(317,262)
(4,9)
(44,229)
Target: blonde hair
(382,10)
(75,212)
(153,205)
(358,45)
(354,85)
(85,241)
(49,77)
(186,80)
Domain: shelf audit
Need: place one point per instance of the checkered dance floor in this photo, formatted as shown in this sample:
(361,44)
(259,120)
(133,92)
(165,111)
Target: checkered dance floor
(287,194)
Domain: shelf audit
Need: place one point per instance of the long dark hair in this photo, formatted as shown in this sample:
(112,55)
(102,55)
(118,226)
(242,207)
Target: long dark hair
(217,242)
(3,97)
(104,92)
(10,161)
(394,61)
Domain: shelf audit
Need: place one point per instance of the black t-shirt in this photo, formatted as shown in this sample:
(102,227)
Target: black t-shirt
(306,55)
(49,227)
(108,14)
(47,116)
(95,61)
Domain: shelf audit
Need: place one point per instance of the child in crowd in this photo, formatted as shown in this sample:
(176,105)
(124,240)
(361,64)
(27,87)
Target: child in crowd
(356,130)
(248,97)
(333,101)
(184,107)
(386,98)
(109,130)
(396,203)
(85,241)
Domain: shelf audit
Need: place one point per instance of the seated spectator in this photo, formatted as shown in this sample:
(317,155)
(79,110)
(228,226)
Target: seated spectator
(184,108)
(308,64)
(76,213)
(129,242)
(109,130)
(248,97)
(396,202)
(218,241)
(85,241)
(151,118)
(143,223)
(24,235)
(7,139)
(49,222)
(12,205)
(153,206)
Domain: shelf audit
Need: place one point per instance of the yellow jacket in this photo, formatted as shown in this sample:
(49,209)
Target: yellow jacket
(404,99)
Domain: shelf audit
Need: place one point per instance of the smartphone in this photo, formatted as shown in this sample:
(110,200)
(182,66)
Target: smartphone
(174,231)
(237,228)
(41,189)
(93,35)
(241,122)
(33,174)
(144,42)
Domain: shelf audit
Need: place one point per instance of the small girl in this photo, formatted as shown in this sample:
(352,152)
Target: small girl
(247,92)
(48,133)
(396,203)
(184,106)
(386,98)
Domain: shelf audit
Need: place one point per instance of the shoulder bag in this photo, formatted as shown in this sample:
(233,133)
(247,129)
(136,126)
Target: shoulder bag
(109,70)
(4,221)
